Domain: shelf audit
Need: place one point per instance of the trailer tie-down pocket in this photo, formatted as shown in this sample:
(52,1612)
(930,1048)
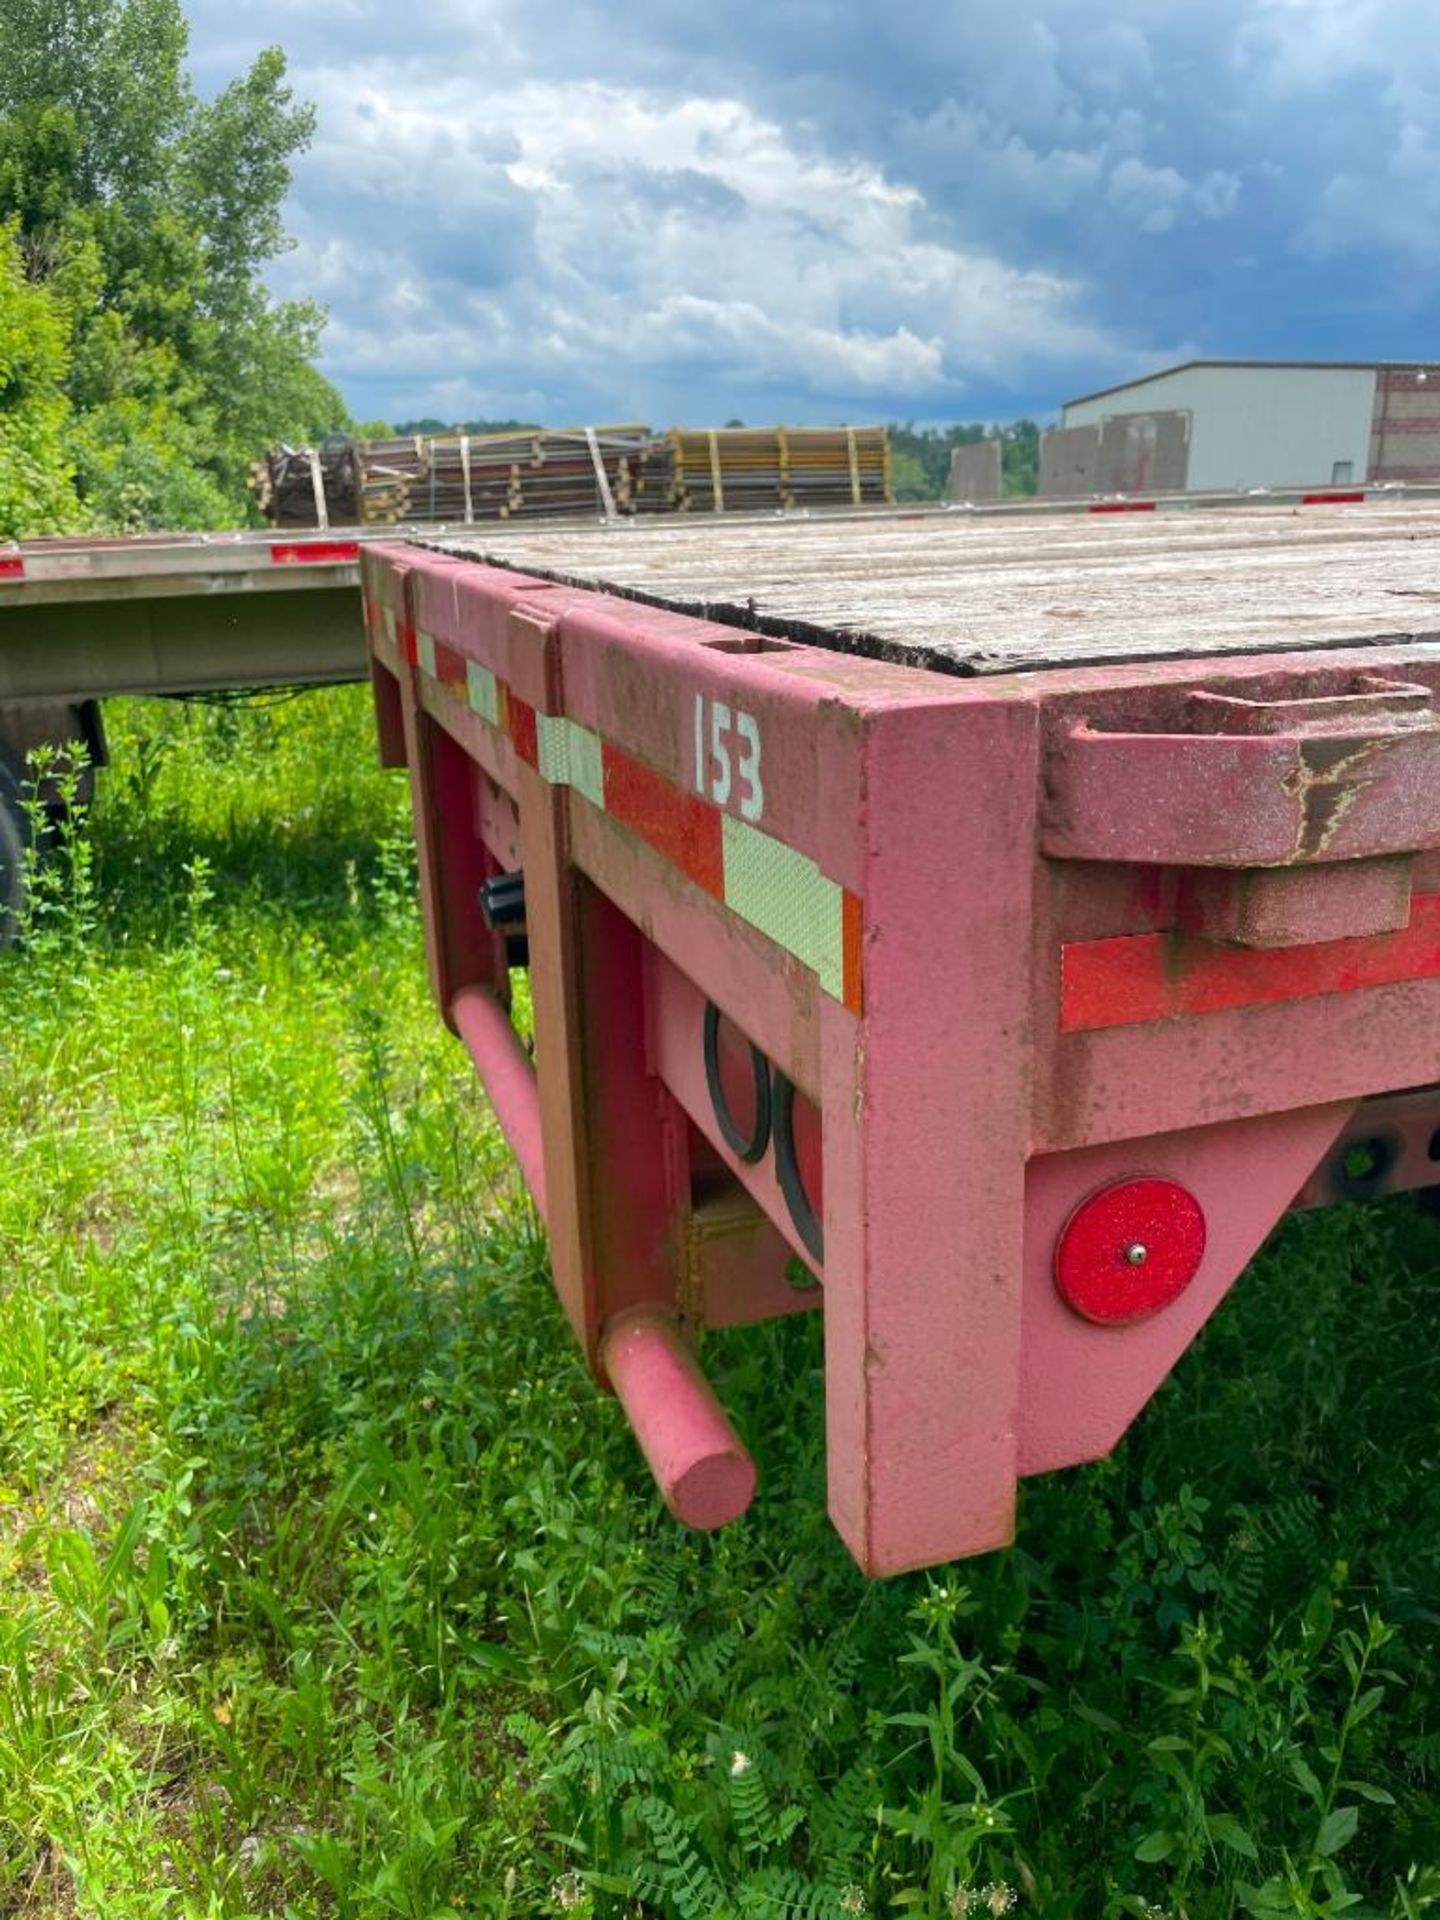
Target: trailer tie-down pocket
(1293,811)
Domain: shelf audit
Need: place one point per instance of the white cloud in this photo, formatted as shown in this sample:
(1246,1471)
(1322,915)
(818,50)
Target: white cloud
(603,237)
(814,209)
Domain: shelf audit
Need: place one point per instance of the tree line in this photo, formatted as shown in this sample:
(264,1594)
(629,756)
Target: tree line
(143,363)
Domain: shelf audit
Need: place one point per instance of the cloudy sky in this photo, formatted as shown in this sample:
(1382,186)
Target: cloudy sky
(683,210)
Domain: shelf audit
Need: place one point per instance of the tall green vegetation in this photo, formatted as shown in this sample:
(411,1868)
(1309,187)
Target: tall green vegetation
(35,489)
(331,1589)
(142,361)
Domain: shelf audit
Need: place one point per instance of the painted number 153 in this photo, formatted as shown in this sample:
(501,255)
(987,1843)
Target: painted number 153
(727,757)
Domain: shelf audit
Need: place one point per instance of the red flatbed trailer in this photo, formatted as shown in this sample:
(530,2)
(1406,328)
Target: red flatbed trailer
(1002,924)
(1000,919)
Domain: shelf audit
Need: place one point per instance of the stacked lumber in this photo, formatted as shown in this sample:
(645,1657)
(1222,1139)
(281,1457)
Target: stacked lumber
(757,469)
(531,473)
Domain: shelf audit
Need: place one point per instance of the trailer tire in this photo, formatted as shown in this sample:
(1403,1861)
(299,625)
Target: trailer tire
(14,839)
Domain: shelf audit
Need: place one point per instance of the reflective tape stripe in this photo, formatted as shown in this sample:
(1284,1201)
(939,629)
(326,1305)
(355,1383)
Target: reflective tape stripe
(481,693)
(854,935)
(553,739)
(587,764)
(571,756)
(1133,979)
(522,723)
(775,889)
(451,668)
(784,895)
(314,553)
(683,829)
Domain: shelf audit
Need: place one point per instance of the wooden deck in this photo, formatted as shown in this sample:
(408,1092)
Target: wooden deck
(980,596)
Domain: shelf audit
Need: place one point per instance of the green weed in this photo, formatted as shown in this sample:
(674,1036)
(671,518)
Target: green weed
(329,1586)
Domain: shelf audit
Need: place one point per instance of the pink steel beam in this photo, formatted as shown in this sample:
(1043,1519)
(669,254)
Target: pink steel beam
(505,1067)
(700,1465)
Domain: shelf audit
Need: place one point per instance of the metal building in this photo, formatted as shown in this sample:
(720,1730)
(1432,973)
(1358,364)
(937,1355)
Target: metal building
(1218,424)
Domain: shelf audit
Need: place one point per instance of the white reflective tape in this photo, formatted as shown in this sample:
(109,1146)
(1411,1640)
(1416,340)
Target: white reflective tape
(482,693)
(425,651)
(552,741)
(784,895)
(570,756)
(387,616)
(587,771)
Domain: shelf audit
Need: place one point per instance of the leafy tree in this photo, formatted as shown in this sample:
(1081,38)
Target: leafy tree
(908,475)
(37,493)
(149,216)
(1020,457)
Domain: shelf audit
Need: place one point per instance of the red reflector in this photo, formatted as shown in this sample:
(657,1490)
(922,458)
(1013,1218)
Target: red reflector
(315,553)
(1331,499)
(12,566)
(1129,1250)
(1122,506)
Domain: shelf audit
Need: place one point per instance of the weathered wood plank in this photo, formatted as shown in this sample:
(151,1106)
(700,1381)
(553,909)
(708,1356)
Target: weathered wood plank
(972,596)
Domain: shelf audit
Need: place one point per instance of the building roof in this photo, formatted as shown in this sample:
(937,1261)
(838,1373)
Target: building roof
(1321,366)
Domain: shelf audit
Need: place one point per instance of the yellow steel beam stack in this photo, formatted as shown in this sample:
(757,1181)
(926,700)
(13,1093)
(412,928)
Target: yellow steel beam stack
(755,469)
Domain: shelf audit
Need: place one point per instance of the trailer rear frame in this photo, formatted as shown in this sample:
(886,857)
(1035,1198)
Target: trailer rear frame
(1014,1009)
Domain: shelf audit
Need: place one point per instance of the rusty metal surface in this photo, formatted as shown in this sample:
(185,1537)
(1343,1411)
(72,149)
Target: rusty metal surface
(983,596)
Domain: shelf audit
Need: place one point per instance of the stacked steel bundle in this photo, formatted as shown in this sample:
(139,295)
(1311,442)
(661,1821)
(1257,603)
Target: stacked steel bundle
(309,486)
(454,479)
(527,473)
(500,476)
(755,469)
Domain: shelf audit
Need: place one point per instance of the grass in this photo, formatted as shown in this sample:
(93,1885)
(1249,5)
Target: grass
(329,1586)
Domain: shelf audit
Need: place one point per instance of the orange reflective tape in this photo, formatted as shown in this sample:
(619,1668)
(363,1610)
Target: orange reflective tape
(1137,978)
(680,826)
(852,931)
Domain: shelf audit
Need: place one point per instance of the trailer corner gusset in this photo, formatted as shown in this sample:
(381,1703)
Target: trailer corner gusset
(1014,1011)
